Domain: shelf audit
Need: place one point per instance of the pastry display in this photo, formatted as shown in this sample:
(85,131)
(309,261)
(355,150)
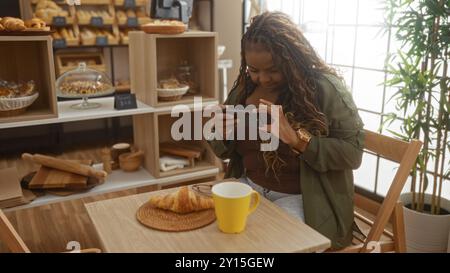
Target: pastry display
(47,9)
(158,22)
(171,83)
(158,26)
(64,33)
(16,90)
(84,16)
(182,201)
(84,82)
(13,24)
(16,24)
(88,36)
(36,23)
(84,87)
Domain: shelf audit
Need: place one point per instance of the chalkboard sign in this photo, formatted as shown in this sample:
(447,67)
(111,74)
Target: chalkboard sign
(124,101)
(101,40)
(132,22)
(129,4)
(97,21)
(59,21)
(59,43)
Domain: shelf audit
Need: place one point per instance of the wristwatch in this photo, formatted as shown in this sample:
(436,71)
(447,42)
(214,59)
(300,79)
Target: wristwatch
(305,138)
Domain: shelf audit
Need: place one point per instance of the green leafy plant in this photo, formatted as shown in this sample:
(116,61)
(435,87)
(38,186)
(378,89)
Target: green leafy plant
(418,72)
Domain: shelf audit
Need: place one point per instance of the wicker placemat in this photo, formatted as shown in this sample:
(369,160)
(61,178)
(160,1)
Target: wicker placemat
(170,221)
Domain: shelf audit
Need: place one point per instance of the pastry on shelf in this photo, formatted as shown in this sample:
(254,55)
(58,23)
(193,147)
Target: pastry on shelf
(46,10)
(13,24)
(182,201)
(36,24)
(84,87)
(171,83)
(16,90)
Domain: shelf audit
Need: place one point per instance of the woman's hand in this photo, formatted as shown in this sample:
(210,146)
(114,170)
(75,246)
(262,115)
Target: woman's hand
(285,132)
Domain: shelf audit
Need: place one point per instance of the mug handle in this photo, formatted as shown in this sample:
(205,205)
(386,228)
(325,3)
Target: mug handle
(255,197)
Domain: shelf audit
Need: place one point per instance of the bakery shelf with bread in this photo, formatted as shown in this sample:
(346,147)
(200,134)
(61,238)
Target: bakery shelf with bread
(95,36)
(27,79)
(155,58)
(95,2)
(128,3)
(53,12)
(68,34)
(165,156)
(66,61)
(96,18)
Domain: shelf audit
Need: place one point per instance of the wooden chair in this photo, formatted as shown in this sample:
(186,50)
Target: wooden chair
(15,244)
(404,153)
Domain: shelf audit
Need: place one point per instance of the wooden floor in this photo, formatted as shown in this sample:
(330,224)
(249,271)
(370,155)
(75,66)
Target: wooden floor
(49,228)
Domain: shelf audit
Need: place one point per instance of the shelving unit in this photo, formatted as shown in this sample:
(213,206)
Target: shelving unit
(26,58)
(199,48)
(152,129)
(155,57)
(67,114)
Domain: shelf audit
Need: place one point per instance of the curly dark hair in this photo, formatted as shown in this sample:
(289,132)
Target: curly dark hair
(300,65)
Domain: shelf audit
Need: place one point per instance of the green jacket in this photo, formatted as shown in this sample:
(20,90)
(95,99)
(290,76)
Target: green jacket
(326,166)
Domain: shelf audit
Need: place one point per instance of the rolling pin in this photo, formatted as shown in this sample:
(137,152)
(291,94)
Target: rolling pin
(65,165)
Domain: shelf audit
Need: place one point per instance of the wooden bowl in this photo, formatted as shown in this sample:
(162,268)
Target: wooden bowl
(130,162)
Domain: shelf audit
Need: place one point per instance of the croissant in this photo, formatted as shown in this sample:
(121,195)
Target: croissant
(35,23)
(13,24)
(1,26)
(182,201)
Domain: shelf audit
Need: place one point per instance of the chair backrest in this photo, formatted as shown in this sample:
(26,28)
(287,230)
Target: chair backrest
(10,237)
(402,152)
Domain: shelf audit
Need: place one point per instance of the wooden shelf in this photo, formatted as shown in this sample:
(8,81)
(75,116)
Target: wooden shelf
(152,129)
(67,114)
(118,181)
(30,58)
(199,166)
(156,57)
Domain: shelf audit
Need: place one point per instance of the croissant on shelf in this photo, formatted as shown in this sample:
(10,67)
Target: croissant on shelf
(183,201)
(36,23)
(12,24)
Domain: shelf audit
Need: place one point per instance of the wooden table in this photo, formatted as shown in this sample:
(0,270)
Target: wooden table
(269,229)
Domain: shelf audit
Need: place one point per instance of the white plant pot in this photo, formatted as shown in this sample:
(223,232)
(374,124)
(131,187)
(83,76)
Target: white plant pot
(425,232)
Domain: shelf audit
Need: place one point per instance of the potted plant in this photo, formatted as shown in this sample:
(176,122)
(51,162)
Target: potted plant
(419,74)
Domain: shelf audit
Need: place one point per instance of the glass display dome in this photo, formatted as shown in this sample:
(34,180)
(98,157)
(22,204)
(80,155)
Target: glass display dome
(84,83)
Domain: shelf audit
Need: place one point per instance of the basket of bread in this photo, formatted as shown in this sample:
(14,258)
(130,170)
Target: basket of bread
(16,26)
(16,97)
(171,89)
(164,27)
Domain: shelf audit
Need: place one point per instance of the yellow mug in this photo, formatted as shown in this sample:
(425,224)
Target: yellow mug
(232,205)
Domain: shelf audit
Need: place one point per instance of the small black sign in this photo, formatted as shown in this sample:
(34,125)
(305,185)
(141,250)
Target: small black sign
(101,40)
(59,21)
(59,43)
(124,101)
(129,4)
(132,22)
(97,21)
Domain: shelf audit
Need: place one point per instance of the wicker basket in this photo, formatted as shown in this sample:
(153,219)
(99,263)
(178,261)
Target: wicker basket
(15,106)
(172,94)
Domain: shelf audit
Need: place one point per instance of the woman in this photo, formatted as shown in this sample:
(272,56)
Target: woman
(321,135)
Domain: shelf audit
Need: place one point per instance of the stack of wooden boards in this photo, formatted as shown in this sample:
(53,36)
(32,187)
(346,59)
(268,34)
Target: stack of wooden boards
(11,194)
(63,177)
(184,150)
